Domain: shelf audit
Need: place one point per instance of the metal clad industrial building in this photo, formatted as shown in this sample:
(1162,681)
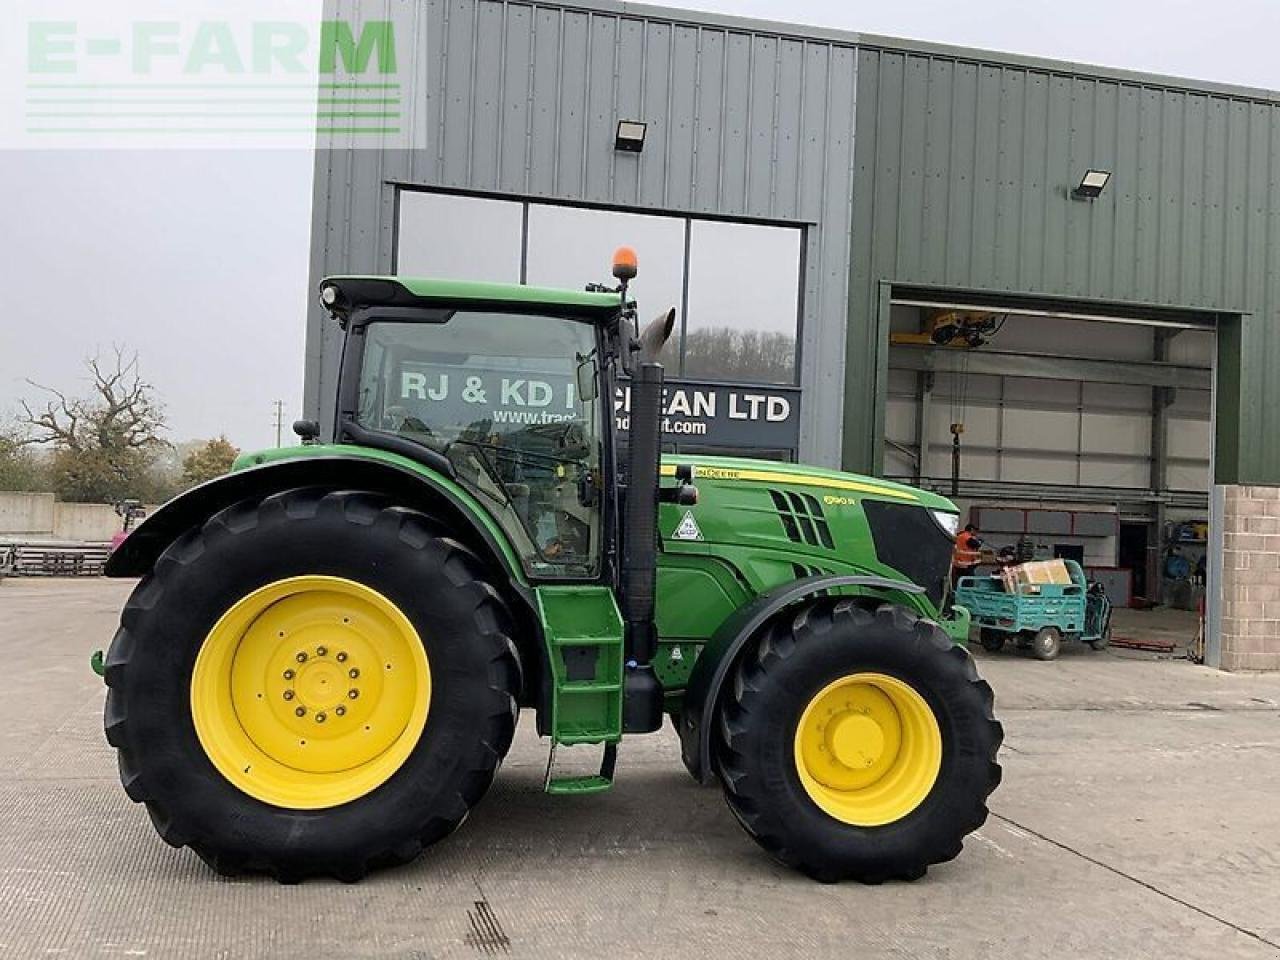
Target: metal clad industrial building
(906,164)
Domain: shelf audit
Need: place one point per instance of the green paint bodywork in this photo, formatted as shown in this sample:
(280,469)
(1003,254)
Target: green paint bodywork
(463,291)
(744,550)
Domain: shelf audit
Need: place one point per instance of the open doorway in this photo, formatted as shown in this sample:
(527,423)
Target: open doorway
(1066,430)
(1135,535)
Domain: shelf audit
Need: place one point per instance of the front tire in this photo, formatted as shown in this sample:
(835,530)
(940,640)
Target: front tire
(992,640)
(369,741)
(858,745)
(1047,644)
(1102,642)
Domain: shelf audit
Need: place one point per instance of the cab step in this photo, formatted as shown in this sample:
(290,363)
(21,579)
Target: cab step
(584,631)
(580,784)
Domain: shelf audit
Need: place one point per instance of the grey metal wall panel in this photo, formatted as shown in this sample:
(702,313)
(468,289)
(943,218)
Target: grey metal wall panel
(352,220)
(963,175)
(1048,521)
(523,99)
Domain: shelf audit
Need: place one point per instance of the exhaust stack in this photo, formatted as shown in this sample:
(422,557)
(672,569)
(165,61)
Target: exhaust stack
(642,692)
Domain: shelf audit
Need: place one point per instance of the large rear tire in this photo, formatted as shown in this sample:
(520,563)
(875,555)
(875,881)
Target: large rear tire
(317,683)
(858,745)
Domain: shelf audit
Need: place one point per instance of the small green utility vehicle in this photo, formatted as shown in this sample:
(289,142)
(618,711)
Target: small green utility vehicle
(328,651)
(1037,616)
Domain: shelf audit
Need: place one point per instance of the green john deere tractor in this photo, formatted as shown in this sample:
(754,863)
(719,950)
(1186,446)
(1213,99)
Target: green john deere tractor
(324,662)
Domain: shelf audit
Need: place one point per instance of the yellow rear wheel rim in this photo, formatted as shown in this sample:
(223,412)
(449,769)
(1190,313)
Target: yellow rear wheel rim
(868,749)
(310,692)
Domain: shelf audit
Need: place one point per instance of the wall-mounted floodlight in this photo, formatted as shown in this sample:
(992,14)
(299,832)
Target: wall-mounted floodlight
(1092,184)
(630,136)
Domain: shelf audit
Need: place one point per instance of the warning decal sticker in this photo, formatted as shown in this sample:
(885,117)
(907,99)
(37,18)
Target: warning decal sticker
(687,528)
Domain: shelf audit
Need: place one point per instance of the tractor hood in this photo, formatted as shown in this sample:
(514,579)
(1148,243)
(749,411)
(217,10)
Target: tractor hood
(778,521)
(815,479)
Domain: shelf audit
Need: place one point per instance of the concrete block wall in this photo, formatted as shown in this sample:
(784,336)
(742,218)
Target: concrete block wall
(91,522)
(41,516)
(1251,579)
(27,513)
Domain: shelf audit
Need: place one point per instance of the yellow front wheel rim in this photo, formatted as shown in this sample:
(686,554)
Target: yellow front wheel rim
(310,692)
(868,749)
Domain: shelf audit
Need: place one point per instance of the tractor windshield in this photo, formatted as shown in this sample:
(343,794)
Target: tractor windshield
(499,395)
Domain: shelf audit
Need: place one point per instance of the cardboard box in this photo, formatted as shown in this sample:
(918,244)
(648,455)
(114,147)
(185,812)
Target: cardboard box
(1040,572)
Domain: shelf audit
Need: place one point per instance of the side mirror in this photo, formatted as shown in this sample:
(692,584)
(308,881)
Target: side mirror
(655,335)
(308,430)
(684,493)
(588,381)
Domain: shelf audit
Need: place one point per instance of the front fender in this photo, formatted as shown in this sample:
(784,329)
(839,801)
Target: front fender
(372,470)
(957,623)
(698,708)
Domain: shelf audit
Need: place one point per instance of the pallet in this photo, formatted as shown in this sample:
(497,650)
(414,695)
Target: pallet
(1150,646)
(36,559)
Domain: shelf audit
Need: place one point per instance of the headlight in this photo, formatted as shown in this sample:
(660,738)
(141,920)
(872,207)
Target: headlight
(950,522)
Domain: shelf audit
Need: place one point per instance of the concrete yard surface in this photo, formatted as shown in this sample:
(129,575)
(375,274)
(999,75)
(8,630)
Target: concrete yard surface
(1139,817)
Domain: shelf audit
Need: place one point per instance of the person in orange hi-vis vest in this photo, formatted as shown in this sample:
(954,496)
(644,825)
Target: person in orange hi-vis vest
(965,557)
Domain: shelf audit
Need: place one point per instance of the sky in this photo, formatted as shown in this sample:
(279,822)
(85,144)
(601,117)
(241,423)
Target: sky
(198,259)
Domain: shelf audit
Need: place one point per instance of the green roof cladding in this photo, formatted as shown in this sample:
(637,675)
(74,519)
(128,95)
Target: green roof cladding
(962,181)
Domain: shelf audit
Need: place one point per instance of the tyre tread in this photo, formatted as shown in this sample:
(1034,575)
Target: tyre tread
(492,622)
(741,713)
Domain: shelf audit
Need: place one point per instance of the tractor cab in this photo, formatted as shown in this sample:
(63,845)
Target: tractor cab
(511,397)
(507,399)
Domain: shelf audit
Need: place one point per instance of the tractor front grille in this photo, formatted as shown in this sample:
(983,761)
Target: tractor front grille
(802,518)
(909,540)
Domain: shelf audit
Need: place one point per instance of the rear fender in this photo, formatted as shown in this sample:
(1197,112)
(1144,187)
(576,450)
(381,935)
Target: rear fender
(714,663)
(409,483)
(400,478)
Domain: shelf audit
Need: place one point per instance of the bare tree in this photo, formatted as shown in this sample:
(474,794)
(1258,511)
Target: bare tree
(723,353)
(123,414)
(104,444)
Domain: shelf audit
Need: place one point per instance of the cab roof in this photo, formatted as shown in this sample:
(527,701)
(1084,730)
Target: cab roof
(384,291)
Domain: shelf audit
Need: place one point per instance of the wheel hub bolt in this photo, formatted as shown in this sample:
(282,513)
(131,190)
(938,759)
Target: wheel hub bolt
(288,694)
(321,651)
(302,656)
(288,674)
(342,657)
(340,710)
(301,711)
(353,694)
(353,673)
(320,718)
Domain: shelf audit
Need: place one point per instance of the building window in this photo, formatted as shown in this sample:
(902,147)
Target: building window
(461,238)
(736,285)
(743,302)
(570,246)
